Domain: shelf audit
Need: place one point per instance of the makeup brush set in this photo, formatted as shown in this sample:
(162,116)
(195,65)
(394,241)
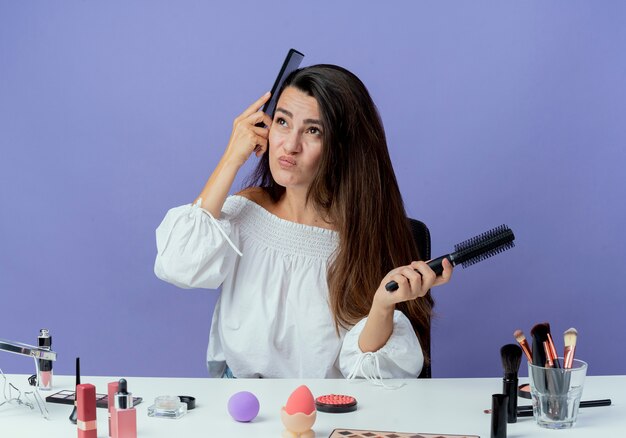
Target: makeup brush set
(556,382)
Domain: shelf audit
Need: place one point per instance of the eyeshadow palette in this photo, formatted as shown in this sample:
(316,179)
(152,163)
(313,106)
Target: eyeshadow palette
(68,397)
(353,433)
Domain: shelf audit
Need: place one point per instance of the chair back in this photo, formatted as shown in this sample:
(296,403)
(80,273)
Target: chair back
(421,236)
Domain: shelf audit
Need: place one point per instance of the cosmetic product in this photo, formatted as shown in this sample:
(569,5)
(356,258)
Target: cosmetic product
(472,251)
(521,340)
(74,414)
(189,401)
(527,410)
(358,433)
(243,406)
(511,358)
(499,403)
(44,379)
(335,403)
(167,406)
(67,397)
(569,337)
(524,391)
(124,417)
(86,410)
(112,388)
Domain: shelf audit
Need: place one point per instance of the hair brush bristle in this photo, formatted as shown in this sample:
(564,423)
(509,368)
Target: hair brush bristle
(484,245)
(511,358)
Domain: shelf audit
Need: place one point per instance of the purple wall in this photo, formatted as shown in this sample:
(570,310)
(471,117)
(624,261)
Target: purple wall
(496,112)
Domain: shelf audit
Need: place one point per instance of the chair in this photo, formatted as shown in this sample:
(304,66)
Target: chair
(421,236)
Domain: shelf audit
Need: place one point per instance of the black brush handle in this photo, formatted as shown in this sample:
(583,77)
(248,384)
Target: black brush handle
(435,264)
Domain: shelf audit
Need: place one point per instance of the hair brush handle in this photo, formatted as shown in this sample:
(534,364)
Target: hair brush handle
(435,264)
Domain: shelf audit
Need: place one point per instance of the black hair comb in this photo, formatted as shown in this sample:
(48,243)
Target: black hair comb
(472,251)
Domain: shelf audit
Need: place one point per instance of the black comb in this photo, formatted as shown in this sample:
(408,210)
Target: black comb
(472,251)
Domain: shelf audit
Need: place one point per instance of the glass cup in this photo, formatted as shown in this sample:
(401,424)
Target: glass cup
(556,393)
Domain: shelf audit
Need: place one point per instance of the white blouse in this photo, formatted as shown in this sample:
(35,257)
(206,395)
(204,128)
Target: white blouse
(273,317)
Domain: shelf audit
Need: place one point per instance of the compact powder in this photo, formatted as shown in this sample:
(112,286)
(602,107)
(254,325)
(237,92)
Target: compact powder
(335,403)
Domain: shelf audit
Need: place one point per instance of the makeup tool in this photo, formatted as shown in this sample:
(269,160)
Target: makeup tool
(167,406)
(355,433)
(569,337)
(511,359)
(44,379)
(527,410)
(499,403)
(521,340)
(335,403)
(243,406)
(299,414)
(86,411)
(553,355)
(124,417)
(539,334)
(74,413)
(472,251)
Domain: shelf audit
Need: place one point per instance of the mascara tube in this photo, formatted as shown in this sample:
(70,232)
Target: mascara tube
(44,377)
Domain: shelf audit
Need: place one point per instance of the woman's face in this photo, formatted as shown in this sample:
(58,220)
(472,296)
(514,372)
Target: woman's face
(295,139)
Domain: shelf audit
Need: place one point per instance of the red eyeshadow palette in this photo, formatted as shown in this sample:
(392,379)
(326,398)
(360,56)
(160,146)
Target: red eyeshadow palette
(353,433)
(68,397)
(335,403)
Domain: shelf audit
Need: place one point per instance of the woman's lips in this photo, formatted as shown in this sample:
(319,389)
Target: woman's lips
(286,162)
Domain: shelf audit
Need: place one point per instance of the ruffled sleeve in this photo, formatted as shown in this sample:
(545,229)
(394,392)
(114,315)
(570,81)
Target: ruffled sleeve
(195,250)
(400,357)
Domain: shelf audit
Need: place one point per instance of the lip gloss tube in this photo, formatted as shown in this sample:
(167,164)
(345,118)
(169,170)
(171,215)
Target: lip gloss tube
(86,411)
(44,379)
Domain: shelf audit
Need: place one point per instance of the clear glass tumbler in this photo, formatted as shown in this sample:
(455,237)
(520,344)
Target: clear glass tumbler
(556,393)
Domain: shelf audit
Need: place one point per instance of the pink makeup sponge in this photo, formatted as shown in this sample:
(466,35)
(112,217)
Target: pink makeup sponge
(243,406)
(301,400)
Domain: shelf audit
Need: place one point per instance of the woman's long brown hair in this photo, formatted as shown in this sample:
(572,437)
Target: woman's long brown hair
(355,188)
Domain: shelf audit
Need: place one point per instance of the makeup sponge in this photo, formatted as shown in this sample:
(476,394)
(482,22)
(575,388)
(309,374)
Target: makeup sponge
(301,400)
(243,406)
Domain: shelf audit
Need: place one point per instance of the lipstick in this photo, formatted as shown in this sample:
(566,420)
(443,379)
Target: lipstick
(86,411)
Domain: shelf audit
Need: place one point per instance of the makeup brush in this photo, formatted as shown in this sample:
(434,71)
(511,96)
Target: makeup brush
(539,333)
(511,358)
(570,337)
(521,339)
(472,251)
(74,414)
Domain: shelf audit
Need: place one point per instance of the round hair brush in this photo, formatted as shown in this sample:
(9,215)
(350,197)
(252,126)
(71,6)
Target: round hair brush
(472,251)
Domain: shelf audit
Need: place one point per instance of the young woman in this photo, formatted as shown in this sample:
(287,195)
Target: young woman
(303,254)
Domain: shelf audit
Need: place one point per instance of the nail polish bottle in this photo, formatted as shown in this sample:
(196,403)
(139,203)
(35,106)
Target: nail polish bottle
(124,417)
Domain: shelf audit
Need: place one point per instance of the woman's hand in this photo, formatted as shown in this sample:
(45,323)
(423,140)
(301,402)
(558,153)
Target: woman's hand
(411,284)
(246,137)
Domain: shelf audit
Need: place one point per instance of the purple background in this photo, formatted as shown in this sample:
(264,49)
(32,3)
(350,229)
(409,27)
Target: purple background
(496,112)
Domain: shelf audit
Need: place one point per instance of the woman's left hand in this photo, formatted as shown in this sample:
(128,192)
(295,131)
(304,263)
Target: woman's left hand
(411,284)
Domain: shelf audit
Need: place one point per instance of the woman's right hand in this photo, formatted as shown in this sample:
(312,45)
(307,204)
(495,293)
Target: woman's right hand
(246,137)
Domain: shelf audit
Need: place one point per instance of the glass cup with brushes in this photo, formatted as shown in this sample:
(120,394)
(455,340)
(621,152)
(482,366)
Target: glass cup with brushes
(556,383)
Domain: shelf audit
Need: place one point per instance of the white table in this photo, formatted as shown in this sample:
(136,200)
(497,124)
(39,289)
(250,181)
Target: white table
(421,405)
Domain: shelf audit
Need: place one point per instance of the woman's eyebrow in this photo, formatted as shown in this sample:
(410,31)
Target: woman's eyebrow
(290,114)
